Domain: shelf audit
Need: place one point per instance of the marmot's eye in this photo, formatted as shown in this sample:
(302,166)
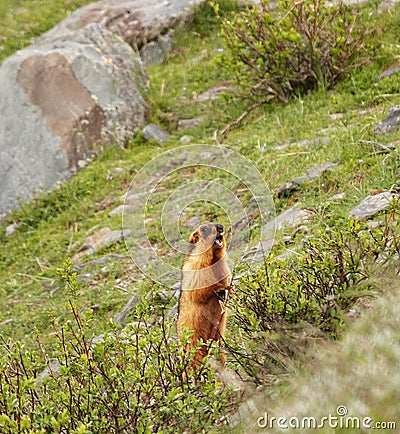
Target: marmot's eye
(204,230)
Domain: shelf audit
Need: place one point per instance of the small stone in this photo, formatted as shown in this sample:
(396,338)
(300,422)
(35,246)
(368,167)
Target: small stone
(194,221)
(134,199)
(10,229)
(155,52)
(6,322)
(335,116)
(391,122)
(291,218)
(337,196)
(119,210)
(371,205)
(82,164)
(389,72)
(304,143)
(121,317)
(102,238)
(312,173)
(99,261)
(84,277)
(185,140)
(116,170)
(189,123)
(212,94)
(374,224)
(154,132)
(353,313)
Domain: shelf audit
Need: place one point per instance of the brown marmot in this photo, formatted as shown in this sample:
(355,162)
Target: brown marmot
(205,289)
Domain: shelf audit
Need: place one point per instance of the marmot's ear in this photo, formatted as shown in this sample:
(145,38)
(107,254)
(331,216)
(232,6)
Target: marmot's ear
(194,238)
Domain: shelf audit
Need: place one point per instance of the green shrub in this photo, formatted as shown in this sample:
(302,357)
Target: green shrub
(291,302)
(127,381)
(274,54)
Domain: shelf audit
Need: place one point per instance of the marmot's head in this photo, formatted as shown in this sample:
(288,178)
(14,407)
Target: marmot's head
(208,238)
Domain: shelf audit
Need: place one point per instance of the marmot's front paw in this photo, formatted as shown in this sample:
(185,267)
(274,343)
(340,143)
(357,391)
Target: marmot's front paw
(222,295)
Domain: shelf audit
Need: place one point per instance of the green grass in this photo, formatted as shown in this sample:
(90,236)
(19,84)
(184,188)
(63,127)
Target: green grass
(55,221)
(22,21)
(55,224)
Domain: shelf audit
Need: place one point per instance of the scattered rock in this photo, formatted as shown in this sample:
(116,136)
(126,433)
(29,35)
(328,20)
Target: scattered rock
(85,277)
(389,72)
(391,122)
(185,140)
(374,224)
(6,322)
(99,261)
(133,199)
(336,116)
(116,170)
(155,52)
(337,196)
(371,205)
(119,210)
(194,222)
(102,238)
(212,94)
(189,123)
(10,229)
(290,218)
(380,147)
(312,173)
(386,5)
(120,318)
(304,143)
(53,369)
(154,132)
(105,203)
(232,380)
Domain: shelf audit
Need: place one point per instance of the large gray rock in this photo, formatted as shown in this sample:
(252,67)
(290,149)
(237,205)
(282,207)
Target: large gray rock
(144,24)
(78,89)
(60,100)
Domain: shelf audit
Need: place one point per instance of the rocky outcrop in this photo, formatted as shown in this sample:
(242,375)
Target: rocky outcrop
(77,89)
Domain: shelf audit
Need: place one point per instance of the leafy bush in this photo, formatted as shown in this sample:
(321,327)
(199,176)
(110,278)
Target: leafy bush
(279,309)
(128,381)
(274,54)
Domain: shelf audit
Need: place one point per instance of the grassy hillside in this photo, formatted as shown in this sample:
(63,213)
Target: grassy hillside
(21,21)
(276,319)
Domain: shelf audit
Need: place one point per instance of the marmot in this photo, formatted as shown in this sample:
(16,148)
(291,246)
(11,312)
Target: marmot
(205,289)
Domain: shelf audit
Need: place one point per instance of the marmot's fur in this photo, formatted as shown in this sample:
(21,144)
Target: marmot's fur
(205,289)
